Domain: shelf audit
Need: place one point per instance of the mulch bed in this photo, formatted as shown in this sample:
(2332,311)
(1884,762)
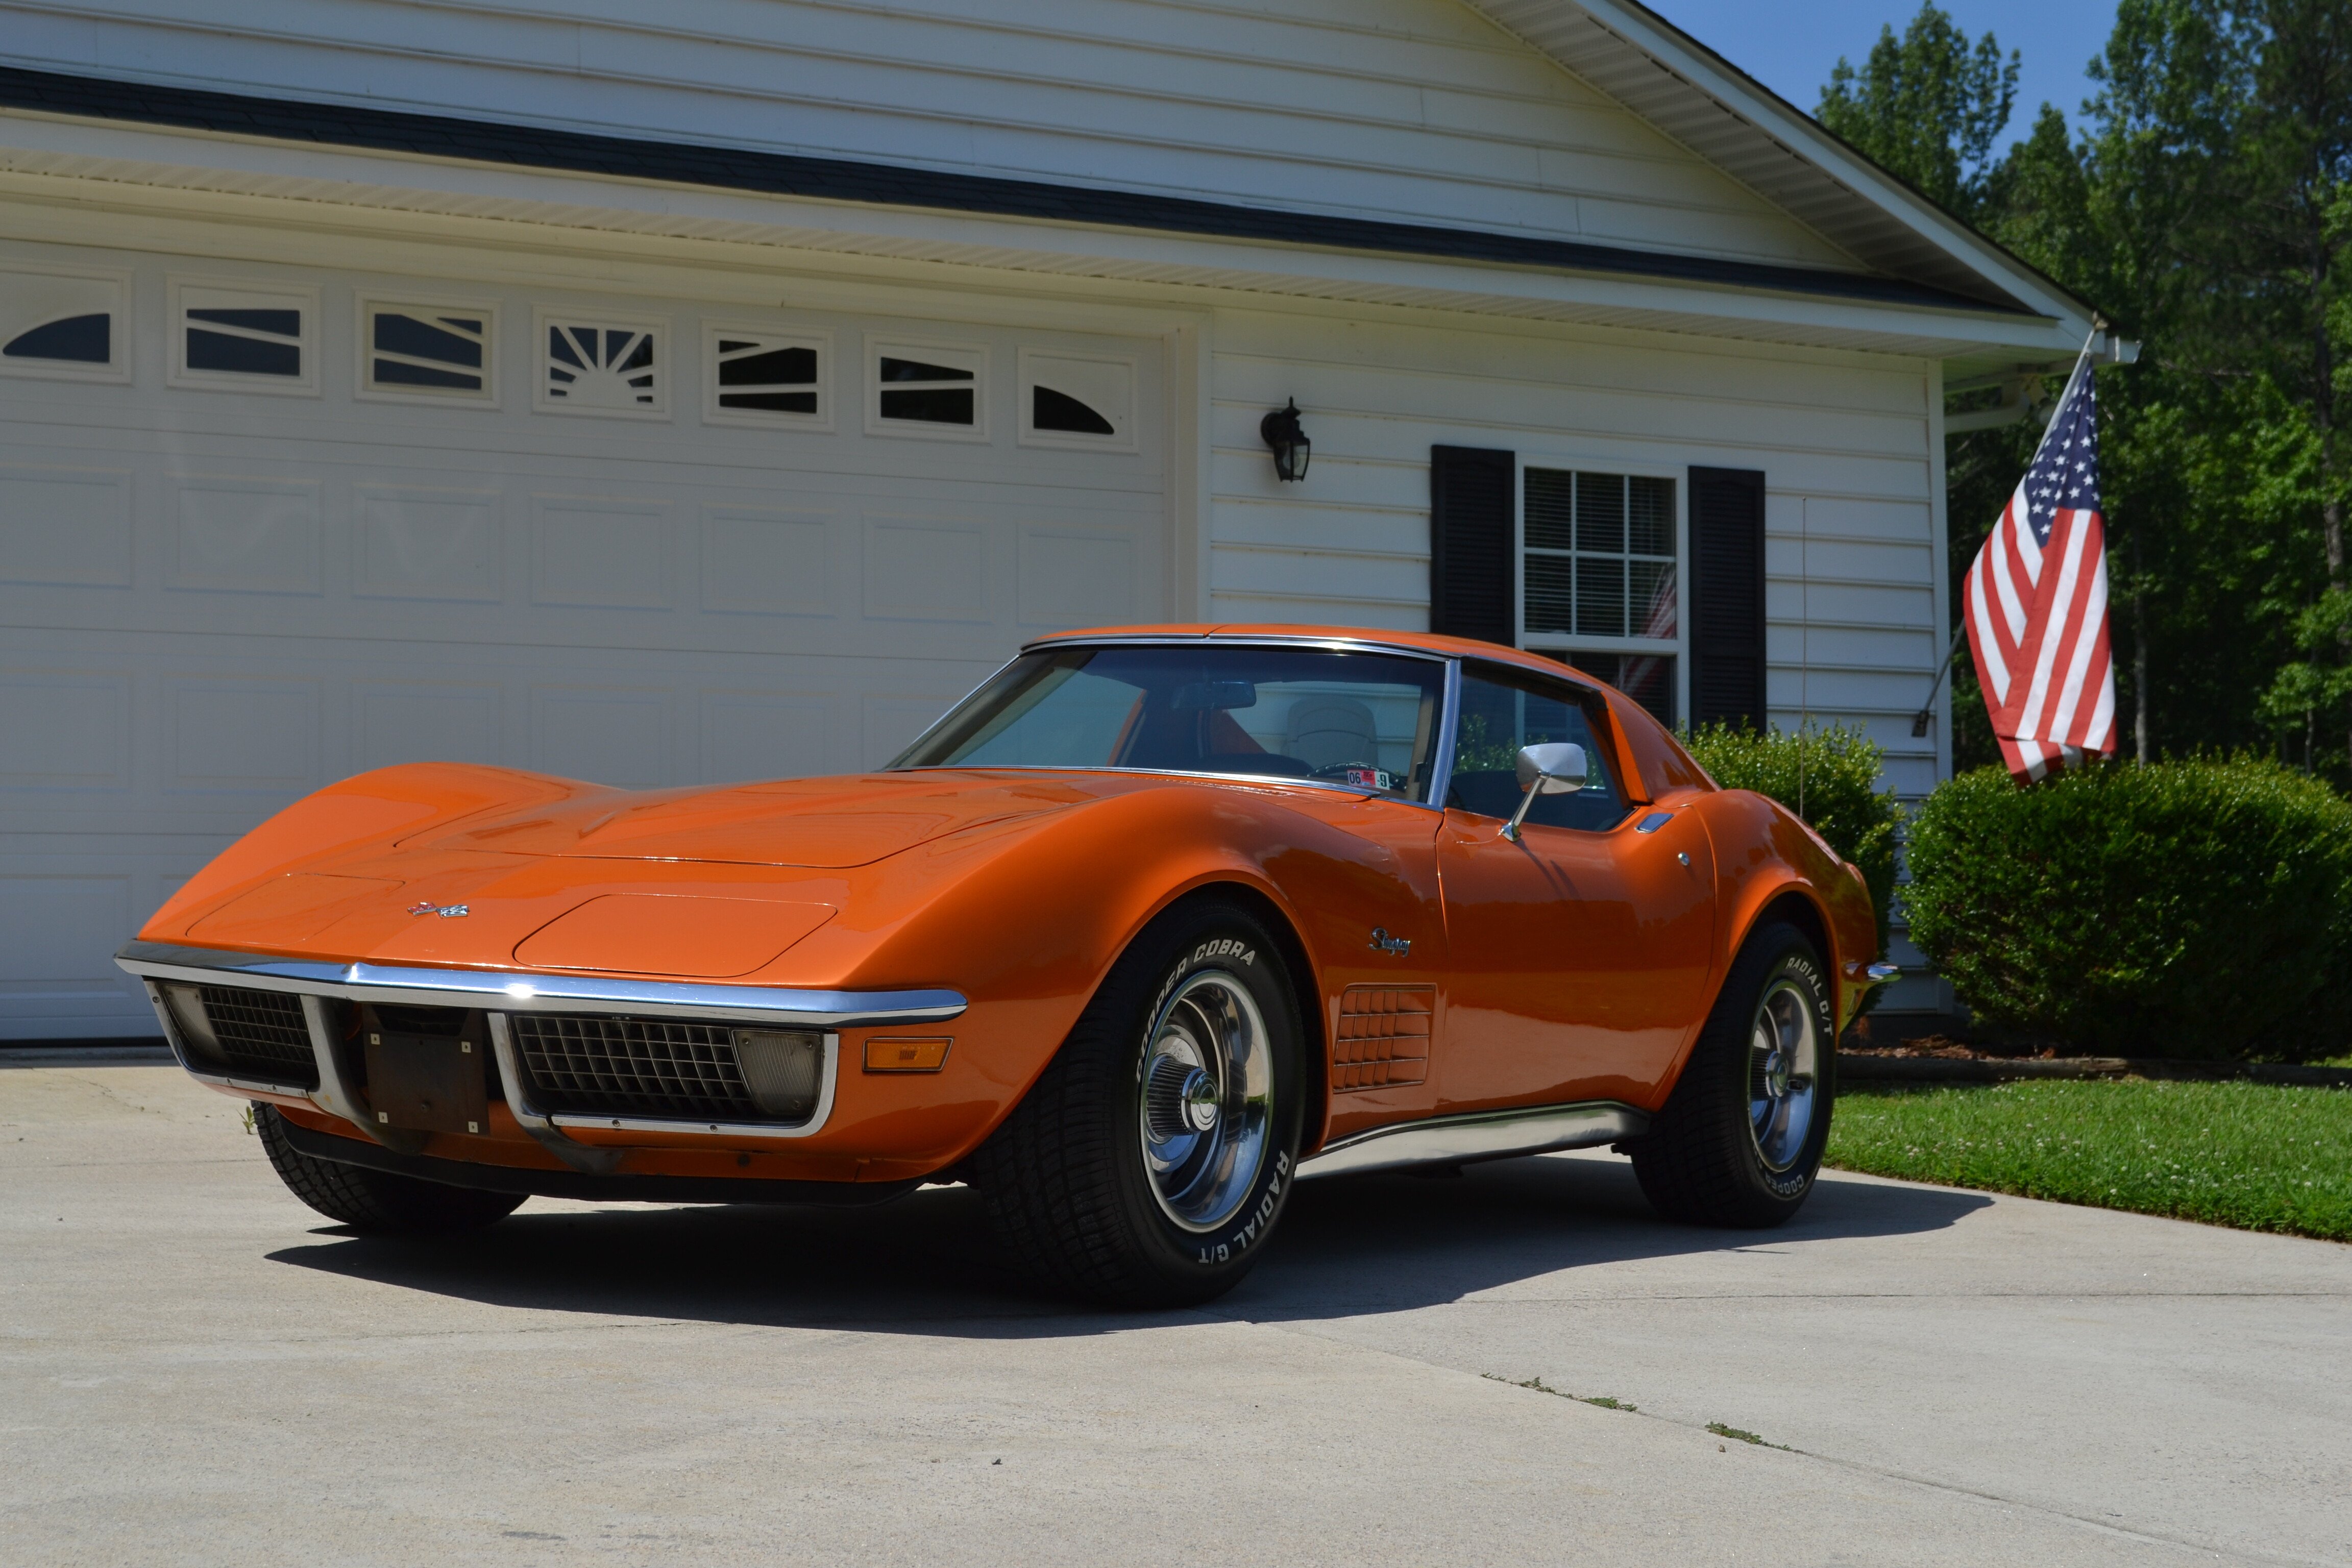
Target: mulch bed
(1941,1058)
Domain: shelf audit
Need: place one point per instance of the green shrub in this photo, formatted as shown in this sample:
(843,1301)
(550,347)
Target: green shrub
(1829,777)
(2192,908)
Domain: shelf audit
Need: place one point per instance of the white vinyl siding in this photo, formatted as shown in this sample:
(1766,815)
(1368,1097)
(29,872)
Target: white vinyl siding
(1841,440)
(1411,110)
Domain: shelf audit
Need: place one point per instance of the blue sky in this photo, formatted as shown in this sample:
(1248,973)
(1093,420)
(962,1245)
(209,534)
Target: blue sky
(1791,49)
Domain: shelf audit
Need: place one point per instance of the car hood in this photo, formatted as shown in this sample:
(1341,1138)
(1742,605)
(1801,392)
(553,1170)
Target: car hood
(833,823)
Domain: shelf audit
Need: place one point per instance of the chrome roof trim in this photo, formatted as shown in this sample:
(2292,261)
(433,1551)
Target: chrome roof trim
(513,991)
(1237,639)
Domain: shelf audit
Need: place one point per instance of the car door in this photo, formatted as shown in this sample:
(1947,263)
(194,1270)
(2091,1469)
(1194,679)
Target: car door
(1581,952)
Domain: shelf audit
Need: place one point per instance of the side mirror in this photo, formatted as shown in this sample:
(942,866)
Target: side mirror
(1558,768)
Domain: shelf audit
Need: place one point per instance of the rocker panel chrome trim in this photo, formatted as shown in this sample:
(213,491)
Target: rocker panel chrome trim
(513,991)
(1479,1135)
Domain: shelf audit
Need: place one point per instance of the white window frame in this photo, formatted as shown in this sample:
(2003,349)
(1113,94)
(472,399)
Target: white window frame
(1074,440)
(118,369)
(819,423)
(176,373)
(665,361)
(878,345)
(364,350)
(1677,646)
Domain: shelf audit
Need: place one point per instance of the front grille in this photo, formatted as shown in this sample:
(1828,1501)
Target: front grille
(262,1035)
(595,1064)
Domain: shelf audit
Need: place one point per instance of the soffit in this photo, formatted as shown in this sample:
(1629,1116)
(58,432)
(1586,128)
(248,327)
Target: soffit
(78,168)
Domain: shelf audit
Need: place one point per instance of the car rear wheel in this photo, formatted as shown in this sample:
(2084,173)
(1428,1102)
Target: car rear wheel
(376,1201)
(1151,1159)
(1740,1138)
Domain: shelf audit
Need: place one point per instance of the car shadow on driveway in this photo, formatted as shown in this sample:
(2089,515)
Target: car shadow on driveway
(926,1264)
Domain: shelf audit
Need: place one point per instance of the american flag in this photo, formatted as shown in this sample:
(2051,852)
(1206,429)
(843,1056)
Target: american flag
(2037,600)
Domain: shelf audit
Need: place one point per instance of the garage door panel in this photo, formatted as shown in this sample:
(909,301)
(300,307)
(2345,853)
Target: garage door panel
(760,561)
(427,544)
(600,552)
(612,735)
(244,734)
(420,722)
(768,735)
(65,729)
(247,536)
(1071,577)
(926,569)
(65,527)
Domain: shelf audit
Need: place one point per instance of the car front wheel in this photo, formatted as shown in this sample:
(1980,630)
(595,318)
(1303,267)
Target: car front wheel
(379,1202)
(1740,1138)
(1151,1159)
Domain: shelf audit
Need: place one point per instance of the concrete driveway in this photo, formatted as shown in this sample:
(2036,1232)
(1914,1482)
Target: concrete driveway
(195,1369)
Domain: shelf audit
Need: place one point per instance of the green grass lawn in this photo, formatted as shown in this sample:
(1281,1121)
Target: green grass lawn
(2251,1155)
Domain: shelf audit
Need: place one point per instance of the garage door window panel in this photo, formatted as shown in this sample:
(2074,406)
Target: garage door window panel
(937,390)
(227,337)
(602,367)
(1082,402)
(757,377)
(414,353)
(63,325)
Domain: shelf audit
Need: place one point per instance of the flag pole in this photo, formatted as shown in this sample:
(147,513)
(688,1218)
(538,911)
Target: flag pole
(1922,720)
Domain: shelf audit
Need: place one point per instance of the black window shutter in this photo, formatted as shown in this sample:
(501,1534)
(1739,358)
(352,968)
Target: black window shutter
(1472,577)
(1726,596)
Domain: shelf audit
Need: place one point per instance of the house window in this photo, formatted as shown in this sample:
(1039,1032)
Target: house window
(429,353)
(61,324)
(246,338)
(928,389)
(759,377)
(1068,400)
(1599,585)
(598,365)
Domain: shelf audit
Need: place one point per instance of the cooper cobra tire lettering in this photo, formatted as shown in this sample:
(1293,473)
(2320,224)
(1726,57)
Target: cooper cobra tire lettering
(1078,1181)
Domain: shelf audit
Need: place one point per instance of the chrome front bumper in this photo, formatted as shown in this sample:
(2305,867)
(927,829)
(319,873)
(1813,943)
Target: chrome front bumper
(501,994)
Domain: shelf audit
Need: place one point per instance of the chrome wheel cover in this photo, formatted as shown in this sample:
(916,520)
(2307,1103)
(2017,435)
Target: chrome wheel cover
(1784,1046)
(1206,1100)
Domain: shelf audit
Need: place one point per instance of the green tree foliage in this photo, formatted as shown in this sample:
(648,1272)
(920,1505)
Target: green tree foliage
(2206,208)
(2188,908)
(1829,777)
(1927,106)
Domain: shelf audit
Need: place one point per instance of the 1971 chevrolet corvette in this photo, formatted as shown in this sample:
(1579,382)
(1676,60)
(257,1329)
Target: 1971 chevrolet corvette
(1154,924)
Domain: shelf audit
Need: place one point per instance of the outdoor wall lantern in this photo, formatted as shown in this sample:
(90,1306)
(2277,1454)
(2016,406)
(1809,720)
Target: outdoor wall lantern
(1291,446)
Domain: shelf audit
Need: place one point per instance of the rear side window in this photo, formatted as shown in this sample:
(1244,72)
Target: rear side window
(1502,712)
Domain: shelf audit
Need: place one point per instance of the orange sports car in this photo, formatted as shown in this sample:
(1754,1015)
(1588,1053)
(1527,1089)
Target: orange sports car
(1154,924)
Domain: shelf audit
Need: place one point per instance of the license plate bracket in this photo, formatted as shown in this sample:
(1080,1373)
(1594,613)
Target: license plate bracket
(428,1083)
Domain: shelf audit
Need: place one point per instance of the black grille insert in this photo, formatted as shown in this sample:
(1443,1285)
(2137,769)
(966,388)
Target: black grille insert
(595,1064)
(262,1035)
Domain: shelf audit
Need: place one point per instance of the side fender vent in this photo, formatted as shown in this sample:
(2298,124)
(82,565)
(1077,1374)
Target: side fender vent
(1383,1035)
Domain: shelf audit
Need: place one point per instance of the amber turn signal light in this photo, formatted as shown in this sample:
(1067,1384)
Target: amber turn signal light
(907,1055)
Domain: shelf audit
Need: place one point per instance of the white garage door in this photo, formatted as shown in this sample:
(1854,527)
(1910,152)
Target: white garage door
(261,528)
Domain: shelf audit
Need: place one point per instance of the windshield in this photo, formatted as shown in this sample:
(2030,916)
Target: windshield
(1361,720)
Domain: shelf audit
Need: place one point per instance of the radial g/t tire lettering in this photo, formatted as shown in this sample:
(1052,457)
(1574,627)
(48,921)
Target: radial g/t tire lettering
(1150,1162)
(1740,1138)
(376,1201)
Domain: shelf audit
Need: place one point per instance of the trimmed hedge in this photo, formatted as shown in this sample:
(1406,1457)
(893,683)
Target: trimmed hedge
(2188,909)
(1829,777)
